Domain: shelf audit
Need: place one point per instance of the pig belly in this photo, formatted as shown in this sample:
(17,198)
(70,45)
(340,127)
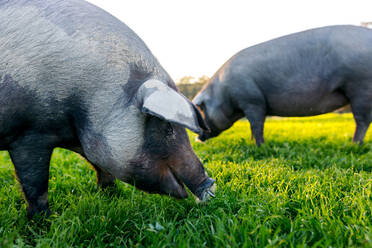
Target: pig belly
(305,104)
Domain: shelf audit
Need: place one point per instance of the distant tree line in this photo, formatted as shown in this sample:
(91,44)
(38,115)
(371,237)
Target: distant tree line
(189,86)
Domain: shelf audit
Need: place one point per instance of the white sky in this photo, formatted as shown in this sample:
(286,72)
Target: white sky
(195,37)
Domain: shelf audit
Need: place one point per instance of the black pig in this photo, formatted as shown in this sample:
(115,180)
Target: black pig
(303,74)
(73,76)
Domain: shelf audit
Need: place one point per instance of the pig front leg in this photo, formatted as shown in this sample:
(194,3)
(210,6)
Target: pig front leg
(31,158)
(104,179)
(256,117)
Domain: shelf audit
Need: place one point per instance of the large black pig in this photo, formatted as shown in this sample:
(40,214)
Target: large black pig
(73,76)
(303,74)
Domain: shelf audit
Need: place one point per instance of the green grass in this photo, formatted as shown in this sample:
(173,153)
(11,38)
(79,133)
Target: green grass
(307,186)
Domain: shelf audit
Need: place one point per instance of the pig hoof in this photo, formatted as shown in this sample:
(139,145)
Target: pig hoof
(206,190)
(106,185)
(38,214)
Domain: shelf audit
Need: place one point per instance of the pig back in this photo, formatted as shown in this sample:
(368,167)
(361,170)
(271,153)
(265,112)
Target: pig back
(69,53)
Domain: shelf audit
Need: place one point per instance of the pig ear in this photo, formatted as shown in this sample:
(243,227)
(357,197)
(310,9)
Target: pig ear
(158,99)
(198,99)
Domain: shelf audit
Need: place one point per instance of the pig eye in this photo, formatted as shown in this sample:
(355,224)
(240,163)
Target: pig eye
(169,130)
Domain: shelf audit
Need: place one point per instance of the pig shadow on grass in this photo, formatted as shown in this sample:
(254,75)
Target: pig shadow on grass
(318,153)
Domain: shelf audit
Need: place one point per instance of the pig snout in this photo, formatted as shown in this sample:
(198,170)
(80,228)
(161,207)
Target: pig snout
(168,163)
(168,176)
(206,190)
(192,174)
(202,137)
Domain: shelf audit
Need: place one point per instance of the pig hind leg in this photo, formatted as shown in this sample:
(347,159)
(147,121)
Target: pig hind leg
(362,111)
(31,161)
(256,117)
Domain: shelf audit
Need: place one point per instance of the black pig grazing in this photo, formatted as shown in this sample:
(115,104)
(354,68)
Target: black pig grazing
(303,74)
(73,76)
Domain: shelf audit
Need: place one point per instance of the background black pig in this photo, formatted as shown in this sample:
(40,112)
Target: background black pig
(303,74)
(74,76)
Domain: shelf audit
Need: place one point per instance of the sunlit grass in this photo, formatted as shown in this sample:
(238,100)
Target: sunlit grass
(308,185)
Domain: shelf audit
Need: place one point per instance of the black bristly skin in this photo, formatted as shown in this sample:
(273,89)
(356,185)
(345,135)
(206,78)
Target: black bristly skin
(30,132)
(167,149)
(31,155)
(159,143)
(160,138)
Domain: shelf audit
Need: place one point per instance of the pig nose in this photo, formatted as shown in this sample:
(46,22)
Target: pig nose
(198,139)
(202,137)
(206,190)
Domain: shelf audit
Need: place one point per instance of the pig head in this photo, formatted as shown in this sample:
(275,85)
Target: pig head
(161,158)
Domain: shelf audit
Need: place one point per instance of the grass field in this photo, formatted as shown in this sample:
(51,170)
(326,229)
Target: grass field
(306,186)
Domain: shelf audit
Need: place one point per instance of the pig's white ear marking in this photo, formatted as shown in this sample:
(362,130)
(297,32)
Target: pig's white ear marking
(158,99)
